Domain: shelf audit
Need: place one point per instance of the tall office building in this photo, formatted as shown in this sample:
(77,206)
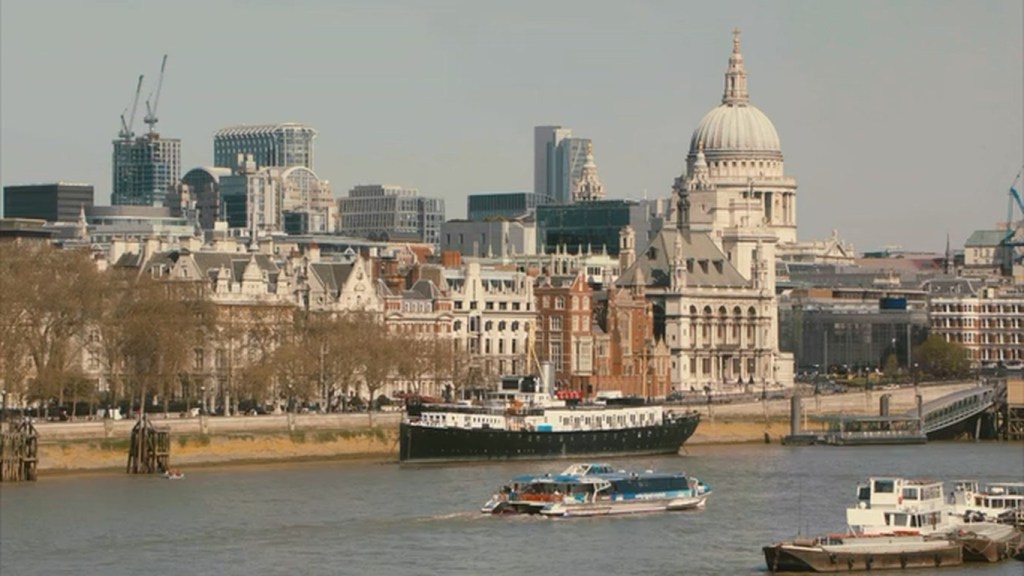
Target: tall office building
(285,144)
(558,161)
(381,212)
(60,202)
(146,169)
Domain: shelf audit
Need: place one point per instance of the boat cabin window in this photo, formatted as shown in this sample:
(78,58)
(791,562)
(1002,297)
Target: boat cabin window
(863,493)
(910,494)
(885,487)
(895,519)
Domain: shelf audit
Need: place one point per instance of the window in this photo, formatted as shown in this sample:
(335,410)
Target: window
(197,359)
(559,303)
(555,323)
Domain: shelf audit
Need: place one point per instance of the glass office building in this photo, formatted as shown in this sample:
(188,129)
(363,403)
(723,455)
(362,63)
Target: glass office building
(285,144)
(504,205)
(595,225)
(146,169)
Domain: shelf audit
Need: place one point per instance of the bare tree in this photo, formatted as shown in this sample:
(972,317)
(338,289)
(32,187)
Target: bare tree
(63,291)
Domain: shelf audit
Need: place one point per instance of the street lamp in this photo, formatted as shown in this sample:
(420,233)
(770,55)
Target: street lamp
(289,398)
(3,406)
(202,391)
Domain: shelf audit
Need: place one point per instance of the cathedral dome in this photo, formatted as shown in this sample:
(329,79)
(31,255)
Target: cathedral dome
(736,129)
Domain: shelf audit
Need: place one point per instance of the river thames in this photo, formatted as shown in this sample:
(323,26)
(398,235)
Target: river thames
(379,518)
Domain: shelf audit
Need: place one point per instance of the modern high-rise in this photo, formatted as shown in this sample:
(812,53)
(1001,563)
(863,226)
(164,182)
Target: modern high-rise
(59,202)
(558,161)
(285,144)
(146,169)
(382,212)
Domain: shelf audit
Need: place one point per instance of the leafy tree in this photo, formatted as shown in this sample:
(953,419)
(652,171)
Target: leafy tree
(941,359)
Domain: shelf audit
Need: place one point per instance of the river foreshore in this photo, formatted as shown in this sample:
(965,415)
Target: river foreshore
(103,445)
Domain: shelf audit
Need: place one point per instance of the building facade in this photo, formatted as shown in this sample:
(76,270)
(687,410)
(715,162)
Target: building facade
(58,202)
(285,144)
(382,212)
(145,170)
(490,239)
(986,320)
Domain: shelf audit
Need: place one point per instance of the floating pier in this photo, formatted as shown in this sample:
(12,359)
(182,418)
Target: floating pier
(19,448)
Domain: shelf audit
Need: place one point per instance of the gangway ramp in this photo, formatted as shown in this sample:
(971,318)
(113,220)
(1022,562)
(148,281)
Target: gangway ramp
(952,413)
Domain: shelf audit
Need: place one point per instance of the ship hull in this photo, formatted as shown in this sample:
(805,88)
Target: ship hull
(796,558)
(433,444)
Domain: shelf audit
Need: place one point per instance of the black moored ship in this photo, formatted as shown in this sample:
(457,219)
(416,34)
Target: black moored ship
(526,424)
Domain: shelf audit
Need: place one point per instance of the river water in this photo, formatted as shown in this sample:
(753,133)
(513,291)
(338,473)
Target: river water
(379,518)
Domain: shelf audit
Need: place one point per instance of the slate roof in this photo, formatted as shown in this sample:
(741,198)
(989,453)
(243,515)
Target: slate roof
(210,263)
(332,274)
(707,265)
(986,238)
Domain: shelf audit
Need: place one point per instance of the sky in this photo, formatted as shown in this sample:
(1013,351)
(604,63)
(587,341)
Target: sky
(902,121)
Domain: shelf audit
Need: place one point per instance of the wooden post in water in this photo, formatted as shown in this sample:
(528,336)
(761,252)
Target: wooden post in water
(150,448)
(19,445)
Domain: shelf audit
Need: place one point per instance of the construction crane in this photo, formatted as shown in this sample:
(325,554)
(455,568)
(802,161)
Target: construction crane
(1012,241)
(126,126)
(151,118)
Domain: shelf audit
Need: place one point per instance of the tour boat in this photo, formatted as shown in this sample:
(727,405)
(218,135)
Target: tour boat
(849,552)
(522,421)
(890,505)
(598,490)
(1001,502)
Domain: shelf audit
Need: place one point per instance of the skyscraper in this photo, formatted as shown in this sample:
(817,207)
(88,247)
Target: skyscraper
(145,170)
(558,161)
(285,144)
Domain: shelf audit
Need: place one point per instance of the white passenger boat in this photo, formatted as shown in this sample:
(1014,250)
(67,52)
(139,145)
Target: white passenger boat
(1001,502)
(599,490)
(891,505)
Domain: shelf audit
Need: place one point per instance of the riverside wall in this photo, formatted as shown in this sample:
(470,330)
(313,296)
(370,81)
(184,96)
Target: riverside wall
(103,445)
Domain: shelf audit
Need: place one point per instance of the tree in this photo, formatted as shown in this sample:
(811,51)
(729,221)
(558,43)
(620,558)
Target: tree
(60,301)
(380,353)
(15,364)
(941,359)
(161,321)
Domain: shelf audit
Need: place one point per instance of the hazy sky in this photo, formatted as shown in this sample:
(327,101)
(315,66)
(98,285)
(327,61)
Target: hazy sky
(900,120)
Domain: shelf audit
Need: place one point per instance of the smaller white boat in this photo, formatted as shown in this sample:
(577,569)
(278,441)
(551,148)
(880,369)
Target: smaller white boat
(1001,502)
(173,474)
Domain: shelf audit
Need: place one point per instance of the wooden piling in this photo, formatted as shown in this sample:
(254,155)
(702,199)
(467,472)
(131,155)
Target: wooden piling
(19,449)
(150,448)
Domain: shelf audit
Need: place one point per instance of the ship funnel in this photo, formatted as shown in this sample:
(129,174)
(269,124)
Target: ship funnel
(547,377)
